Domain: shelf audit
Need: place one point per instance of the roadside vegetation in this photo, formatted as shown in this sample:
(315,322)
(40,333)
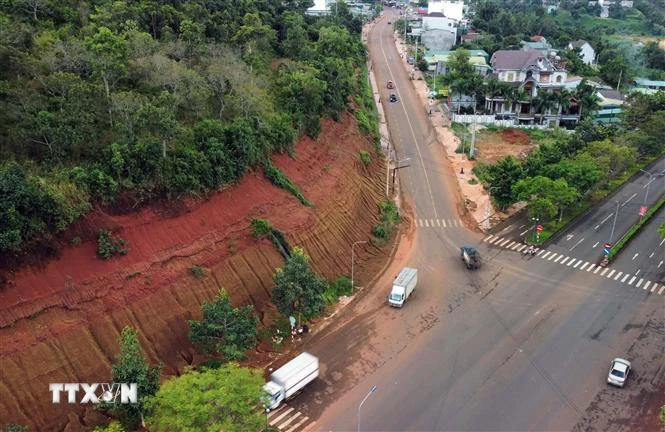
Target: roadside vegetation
(564,177)
(131,102)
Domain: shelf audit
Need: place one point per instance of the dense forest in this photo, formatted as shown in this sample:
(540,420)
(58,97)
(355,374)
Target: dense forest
(137,100)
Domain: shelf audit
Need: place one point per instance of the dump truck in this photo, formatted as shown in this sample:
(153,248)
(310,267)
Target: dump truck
(470,256)
(403,286)
(288,380)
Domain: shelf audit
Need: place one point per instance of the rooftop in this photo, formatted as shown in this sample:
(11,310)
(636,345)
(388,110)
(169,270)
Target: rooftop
(519,59)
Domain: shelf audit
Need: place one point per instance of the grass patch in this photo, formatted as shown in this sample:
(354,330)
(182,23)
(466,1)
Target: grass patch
(277,177)
(365,158)
(197,272)
(389,219)
(109,246)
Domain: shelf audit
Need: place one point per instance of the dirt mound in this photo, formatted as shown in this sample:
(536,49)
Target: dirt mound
(493,146)
(60,322)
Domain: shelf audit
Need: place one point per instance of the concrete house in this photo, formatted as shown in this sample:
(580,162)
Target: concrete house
(528,74)
(586,51)
(438,32)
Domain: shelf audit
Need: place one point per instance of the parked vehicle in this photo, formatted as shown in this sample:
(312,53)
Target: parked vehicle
(390,84)
(288,380)
(470,256)
(403,286)
(619,371)
(393,97)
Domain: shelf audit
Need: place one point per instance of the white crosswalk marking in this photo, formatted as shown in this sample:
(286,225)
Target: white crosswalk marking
(591,267)
(288,422)
(660,291)
(609,275)
(511,244)
(646,285)
(630,282)
(426,223)
(551,256)
(637,285)
(546,254)
(564,260)
(604,271)
(517,245)
(596,270)
(487,238)
(443,221)
(438,223)
(460,222)
(420,222)
(540,252)
(454,223)
(578,263)
(654,287)
(618,275)
(584,266)
(277,419)
(504,242)
(571,261)
(294,427)
(625,277)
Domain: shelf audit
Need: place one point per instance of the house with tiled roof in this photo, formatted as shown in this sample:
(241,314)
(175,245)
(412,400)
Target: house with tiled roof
(528,77)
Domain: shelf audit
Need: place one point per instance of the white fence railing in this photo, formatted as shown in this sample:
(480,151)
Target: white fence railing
(491,119)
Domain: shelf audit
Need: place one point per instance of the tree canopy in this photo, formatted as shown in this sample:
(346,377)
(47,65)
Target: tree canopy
(224,399)
(297,288)
(152,100)
(225,329)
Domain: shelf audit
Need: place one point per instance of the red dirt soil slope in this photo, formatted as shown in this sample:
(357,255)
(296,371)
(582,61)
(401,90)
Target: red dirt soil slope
(61,322)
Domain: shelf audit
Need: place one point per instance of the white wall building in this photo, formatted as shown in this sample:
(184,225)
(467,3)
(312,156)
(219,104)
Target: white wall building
(451,9)
(587,52)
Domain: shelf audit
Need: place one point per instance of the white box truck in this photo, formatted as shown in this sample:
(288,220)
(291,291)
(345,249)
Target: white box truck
(403,286)
(290,379)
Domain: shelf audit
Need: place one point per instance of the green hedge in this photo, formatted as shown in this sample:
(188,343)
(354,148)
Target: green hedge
(635,229)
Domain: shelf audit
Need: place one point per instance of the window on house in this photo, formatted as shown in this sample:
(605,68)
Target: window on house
(558,79)
(510,76)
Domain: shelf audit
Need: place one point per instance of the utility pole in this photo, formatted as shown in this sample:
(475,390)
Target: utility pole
(619,82)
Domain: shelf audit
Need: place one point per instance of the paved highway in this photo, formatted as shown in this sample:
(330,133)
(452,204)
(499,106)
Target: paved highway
(524,343)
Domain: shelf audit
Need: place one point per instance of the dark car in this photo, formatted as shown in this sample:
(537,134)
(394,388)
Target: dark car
(393,97)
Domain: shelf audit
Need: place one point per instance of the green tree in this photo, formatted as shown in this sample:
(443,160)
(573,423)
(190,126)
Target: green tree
(227,398)
(544,102)
(503,175)
(297,288)
(613,159)
(616,68)
(653,55)
(132,367)
(225,329)
(114,426)
(545,196)
(109,59)
(587,99)
(661,230)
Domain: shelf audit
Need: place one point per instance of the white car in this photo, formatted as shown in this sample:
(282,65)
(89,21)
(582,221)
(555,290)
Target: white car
(619,370)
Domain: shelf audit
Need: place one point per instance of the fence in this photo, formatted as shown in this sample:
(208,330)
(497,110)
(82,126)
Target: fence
(490,119)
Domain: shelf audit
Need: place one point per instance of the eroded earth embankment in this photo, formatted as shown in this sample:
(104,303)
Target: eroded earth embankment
(61,322)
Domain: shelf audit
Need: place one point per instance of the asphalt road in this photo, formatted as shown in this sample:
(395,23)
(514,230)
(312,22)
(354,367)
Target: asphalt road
(524,343)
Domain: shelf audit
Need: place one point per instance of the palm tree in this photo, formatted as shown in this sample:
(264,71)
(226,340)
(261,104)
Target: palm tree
(586,97)
(544,102)
(563,102)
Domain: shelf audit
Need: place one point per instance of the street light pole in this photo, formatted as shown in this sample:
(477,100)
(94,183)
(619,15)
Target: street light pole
(352,259)
(372,390)
(649,183)
(614,223)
